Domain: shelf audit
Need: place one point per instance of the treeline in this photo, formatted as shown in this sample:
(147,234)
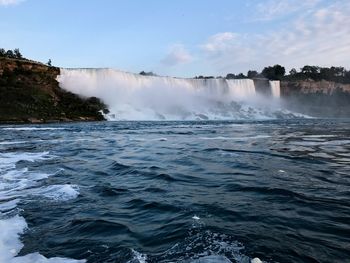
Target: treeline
(278,72)
(336,74)
(150,73)
(16,54)
(11,53)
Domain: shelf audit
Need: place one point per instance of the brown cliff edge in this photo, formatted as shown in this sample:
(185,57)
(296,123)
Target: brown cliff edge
(29,93)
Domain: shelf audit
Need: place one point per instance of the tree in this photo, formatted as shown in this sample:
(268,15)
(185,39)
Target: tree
(252,74)
(2,52)
(143,73)
(49,63)
(230,76)
(338,71)
(347,77)
(17,54)
(10,54)
(241,76)
(293,71)
(312,72)
(274,73)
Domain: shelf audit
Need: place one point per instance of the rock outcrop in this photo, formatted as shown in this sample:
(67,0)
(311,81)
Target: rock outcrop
(29,93)
(289,88)
(317,98)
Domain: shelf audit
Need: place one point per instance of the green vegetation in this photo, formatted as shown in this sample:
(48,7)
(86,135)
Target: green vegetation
(143,73)
(204,77)
(336,74)
(278,72)
(11,53)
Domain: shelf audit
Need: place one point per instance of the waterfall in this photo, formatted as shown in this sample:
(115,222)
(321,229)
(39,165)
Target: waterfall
(241,88)
(137,97)
(275,88)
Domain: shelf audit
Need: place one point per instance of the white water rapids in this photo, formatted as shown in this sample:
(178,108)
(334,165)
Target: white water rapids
(137,97)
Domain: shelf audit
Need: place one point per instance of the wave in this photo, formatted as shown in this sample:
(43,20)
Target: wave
(16,184)
(201,246)
(58,192)
(31,128)
(11,229)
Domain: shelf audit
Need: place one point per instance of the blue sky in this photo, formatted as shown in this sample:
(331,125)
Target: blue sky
(179,38)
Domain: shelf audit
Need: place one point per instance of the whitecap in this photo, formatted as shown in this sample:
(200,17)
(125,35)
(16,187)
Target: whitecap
(58,192)
(8,160)
(10,244)
(138,257)
(16,184)
(13,142)
(9,205)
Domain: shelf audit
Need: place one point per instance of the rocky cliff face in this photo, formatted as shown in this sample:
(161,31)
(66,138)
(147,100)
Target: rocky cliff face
(289,88)
(317,98)
(29,92)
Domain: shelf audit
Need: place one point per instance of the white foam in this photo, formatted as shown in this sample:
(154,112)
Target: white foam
(201,247)
(19,183)
(15,184)
(9,205)
(9,160)
(195,217)
(58,192)
(138,257)
(256,260)
(12,142)
(212,259)
(10,244)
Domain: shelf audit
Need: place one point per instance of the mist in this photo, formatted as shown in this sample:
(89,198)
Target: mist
(137,97)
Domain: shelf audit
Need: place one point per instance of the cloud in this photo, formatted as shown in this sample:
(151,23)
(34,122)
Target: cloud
(177,55)
(219,42)
(274,9)
(319,36)
(222,50)
(10,2)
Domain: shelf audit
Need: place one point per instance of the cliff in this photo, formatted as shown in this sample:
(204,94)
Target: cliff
(317,98)
(29,92)
(289,88)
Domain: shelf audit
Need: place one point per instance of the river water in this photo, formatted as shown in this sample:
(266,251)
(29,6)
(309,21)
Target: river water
(215,191)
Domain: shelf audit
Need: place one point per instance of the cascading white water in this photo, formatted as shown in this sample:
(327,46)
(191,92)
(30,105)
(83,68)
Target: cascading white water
(241,88)
(137,97)
(275,88)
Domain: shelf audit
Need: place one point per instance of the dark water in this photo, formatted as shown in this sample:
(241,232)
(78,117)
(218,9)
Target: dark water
(179,191)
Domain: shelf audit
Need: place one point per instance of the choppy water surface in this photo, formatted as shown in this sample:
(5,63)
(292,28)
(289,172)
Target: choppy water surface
(176,192)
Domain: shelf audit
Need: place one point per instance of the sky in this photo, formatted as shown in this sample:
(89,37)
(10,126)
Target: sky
(181,38)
